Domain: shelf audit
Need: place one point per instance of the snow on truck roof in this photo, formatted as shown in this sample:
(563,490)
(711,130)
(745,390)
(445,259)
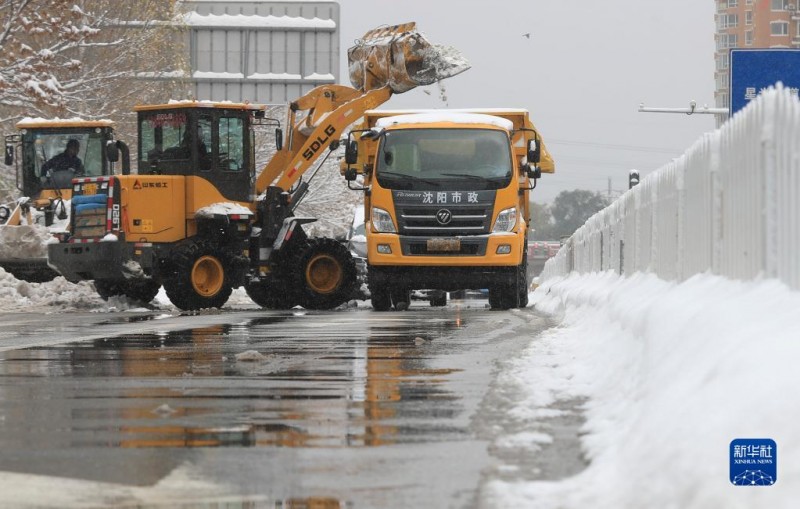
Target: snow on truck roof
(454,117)
(39,123)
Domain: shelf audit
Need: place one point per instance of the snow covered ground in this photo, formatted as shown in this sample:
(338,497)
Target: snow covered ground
(59,295)
(671,374)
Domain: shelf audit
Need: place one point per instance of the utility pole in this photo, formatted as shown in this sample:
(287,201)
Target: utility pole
(609,188)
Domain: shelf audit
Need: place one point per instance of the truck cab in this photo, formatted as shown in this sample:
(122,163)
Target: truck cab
(446,201)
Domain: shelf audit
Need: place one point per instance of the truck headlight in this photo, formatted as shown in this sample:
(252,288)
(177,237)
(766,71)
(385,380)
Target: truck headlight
(382,221)
(506,220)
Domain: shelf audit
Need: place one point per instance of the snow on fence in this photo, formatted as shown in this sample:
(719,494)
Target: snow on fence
(730,205)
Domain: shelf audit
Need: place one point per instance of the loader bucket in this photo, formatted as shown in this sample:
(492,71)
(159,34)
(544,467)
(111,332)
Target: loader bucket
(401,57)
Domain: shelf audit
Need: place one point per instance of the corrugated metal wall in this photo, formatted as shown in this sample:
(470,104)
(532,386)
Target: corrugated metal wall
(729,206)
(262,52)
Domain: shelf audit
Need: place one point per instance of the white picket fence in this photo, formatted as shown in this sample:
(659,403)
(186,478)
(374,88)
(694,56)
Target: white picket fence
(730,206)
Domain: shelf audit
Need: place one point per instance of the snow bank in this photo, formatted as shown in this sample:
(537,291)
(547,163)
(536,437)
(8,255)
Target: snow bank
(673,373)
(60,296)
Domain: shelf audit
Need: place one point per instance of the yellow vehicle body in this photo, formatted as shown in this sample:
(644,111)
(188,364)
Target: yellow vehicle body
(200,220)
(43,205)
(422,253)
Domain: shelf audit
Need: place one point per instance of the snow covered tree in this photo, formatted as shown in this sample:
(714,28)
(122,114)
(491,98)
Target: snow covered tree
(89,58)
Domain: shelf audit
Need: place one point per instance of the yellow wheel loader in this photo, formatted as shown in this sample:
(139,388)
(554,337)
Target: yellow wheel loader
(44,173)
(199,220)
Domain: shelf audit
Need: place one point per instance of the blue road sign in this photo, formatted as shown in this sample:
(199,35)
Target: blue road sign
(753,70)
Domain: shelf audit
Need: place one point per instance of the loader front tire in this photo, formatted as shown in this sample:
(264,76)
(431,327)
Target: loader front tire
(201,276)
(324,274)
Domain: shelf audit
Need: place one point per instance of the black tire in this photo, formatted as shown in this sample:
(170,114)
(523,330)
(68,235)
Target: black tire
(496,297)
(380,298)
(143,290)
(33,275)
(401,298)
(522,283)
(324,274)
(510,295)
(271,295)
(439,300)
(200,276)
(107,288)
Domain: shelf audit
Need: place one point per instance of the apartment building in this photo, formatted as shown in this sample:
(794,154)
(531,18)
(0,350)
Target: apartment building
(751,24)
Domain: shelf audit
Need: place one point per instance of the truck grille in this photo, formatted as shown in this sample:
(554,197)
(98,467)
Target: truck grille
(464,220)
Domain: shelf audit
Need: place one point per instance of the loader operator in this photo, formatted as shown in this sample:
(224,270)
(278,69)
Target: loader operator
(64,166)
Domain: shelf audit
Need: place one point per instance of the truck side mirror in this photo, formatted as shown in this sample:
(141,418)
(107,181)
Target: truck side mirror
(279,138)
(534,151)
(350,174)
(351,152)
(9,155)
(633,178)
(112,151)
(533,172)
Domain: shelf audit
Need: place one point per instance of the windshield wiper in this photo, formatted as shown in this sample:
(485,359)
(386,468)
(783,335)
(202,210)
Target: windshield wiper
(403,176)
(476,177)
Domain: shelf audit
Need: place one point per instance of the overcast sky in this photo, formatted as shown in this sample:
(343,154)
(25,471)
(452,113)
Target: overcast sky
(582,74)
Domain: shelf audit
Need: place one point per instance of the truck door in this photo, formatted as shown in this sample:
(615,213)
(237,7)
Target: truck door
(223,156)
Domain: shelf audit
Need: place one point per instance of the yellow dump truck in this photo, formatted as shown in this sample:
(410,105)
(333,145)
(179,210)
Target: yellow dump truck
(446,201)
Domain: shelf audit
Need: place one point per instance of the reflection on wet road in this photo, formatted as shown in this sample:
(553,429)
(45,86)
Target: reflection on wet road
(286,399)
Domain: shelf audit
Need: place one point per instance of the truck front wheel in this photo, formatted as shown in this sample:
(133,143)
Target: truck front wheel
(513,294)
(380,298)
(200,277)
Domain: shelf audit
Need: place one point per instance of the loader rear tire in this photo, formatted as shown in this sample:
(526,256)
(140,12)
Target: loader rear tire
(271,295)
(108,288)
(201,276)
(324,274)
(143,290)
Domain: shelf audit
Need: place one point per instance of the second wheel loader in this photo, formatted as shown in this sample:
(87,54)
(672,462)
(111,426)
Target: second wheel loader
(26,223)
(199,220)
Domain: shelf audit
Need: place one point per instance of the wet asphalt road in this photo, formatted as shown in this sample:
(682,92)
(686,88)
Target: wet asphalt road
(351,408)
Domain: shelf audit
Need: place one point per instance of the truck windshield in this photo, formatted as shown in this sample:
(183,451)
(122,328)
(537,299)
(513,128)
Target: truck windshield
(426,159)
(55,158)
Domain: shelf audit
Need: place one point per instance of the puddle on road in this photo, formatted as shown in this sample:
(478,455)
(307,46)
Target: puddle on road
(354,383)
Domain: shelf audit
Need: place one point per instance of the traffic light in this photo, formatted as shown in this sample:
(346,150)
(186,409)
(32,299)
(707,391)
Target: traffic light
(633,178)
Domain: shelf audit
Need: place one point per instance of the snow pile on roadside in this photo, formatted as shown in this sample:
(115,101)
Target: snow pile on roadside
(56,295)
(60,295)
(672,373)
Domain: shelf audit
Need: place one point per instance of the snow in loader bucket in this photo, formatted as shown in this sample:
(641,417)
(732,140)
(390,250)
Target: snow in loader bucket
(402,58)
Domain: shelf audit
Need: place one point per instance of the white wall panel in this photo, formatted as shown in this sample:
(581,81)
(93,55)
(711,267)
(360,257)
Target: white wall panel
(730,205)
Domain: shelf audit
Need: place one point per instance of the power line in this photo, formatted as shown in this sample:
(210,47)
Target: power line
(634,148)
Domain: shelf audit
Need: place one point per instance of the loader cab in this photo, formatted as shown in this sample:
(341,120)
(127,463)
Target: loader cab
(212,141)
(42,141)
